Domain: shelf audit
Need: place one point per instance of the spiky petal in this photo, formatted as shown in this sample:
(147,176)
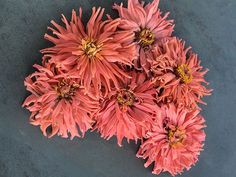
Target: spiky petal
(94,52)
(148,26)
(58,104)
(175,140)
(178,75)
(128,112)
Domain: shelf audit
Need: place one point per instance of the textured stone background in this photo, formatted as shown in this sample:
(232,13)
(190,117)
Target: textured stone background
(209,26)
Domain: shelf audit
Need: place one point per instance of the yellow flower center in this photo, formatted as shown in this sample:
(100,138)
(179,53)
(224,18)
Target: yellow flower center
(184,73)
(66,89)
(176,137)
(145,37)
(90,47)
(125,97)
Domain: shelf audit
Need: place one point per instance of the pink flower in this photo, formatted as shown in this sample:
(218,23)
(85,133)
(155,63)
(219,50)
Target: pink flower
(57,103)
(94,51)
(175,141)
(128,112)
(147,25)
(178,75)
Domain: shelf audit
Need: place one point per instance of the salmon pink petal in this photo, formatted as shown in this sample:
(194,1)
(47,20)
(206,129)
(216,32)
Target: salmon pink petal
(128,112)
(149,28)
(58,103)
(177,74)
(93,53)
(173,145)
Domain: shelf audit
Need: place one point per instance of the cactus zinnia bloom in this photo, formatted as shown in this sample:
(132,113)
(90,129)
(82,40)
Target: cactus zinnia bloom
(175,141)
(128,112)
(57,104)
(178,75)
(94,52)
(148,26)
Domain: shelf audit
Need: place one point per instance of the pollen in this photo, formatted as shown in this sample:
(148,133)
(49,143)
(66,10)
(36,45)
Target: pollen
(66,89)
(125,98)
(176,137)
(90,47)
(184,73)
(145,37)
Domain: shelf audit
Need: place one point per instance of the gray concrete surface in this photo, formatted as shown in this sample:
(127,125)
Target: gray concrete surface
(208,25)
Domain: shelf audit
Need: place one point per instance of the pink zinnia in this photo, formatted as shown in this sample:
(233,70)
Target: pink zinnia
(175,141)
(128,112)
(178,75)
(57,103)
(93,52)
(147,25)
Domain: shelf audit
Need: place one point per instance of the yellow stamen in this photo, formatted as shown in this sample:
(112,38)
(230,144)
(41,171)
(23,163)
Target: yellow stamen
(145,37)
(90,47)
(176,137)
(125,97)
(66,89)
(184,72)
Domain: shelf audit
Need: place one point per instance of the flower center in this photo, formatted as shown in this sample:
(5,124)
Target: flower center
(125,97)
(145,37)
(176,137)
(66,89)
(184,73)
(90,47)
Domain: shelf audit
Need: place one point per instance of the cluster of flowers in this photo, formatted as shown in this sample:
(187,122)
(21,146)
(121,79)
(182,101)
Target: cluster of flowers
(126,77)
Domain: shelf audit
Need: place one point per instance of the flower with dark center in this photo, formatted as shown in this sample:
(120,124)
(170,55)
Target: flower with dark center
(95,52)
(58,104)
(128,112)
(178,75)
(149,28)
(173,144)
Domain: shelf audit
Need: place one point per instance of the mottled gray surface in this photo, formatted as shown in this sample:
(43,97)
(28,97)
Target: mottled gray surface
(208,25)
